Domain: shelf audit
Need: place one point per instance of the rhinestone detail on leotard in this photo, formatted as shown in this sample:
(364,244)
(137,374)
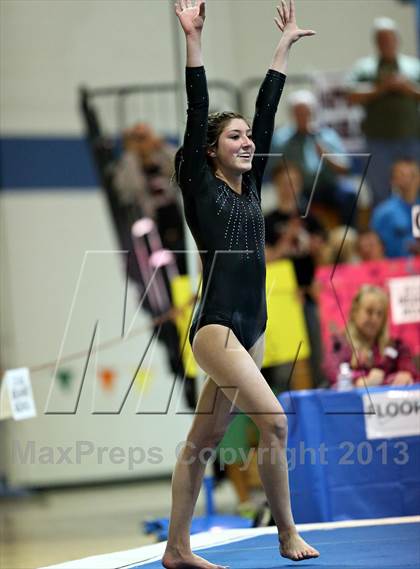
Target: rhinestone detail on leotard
(243,208)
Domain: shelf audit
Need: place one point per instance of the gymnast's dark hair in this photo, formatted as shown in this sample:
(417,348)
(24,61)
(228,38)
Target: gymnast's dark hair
(215,125)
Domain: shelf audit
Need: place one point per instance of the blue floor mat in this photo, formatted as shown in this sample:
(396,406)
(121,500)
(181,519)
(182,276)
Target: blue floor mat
(386,547)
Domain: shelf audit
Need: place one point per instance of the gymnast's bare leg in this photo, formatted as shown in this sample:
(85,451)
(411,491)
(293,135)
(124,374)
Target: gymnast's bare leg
(212,417)
(237,372)
(213,414)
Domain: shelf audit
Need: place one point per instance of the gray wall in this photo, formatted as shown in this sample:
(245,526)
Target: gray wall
(50,47)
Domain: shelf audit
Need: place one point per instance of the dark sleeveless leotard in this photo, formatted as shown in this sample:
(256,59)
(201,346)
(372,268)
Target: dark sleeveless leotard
(228,227)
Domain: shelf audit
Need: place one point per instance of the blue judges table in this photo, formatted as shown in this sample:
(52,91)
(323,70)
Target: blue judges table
(336,472)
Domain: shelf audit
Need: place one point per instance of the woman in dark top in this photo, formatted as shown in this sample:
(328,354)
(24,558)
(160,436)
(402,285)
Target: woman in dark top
(219,170)
(289,235)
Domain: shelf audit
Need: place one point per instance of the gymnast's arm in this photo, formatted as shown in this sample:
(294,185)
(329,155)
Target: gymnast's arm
(194,160)
(272,86)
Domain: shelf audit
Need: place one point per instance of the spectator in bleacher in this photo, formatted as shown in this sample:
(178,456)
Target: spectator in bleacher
(289,236)
(305,142)
(341,246)
(142,178)
(369,246)
(374,357)
(392,219)
(387,84)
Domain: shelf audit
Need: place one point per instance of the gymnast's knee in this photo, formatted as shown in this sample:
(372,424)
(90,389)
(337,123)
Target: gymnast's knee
(273,427)
(200,442)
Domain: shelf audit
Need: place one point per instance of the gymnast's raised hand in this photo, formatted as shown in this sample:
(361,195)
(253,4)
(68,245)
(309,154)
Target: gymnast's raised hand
(287,23)
(191,16)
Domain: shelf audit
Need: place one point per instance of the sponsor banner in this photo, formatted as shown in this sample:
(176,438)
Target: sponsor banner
(391,414)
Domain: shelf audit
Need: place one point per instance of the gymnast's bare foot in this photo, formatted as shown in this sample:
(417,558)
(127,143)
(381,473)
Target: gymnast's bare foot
(173,559)
(294,547)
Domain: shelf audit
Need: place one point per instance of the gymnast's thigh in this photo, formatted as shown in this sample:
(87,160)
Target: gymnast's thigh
(223,328)
(213,414)
(234,370)
(257,351)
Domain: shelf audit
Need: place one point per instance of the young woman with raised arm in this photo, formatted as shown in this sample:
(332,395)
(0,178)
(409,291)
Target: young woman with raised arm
(219,170)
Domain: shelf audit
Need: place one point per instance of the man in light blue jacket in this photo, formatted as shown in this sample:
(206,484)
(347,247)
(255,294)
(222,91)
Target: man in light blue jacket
(393,218)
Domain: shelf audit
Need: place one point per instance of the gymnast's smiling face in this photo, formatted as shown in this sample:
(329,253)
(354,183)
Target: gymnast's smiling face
(235,148)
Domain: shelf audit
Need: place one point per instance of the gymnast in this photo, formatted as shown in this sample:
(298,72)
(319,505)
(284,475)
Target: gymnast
(219,170)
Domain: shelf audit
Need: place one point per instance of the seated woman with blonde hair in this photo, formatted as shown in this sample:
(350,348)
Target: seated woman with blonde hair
(374,357)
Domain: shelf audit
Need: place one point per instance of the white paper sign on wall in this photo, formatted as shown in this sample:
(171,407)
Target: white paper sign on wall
(415,220)
(394,413)
(405,299)
(16,397)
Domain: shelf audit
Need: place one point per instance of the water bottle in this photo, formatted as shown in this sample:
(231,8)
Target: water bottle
(345,377)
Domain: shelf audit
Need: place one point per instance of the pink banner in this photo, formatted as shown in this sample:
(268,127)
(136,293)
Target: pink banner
(337,288)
